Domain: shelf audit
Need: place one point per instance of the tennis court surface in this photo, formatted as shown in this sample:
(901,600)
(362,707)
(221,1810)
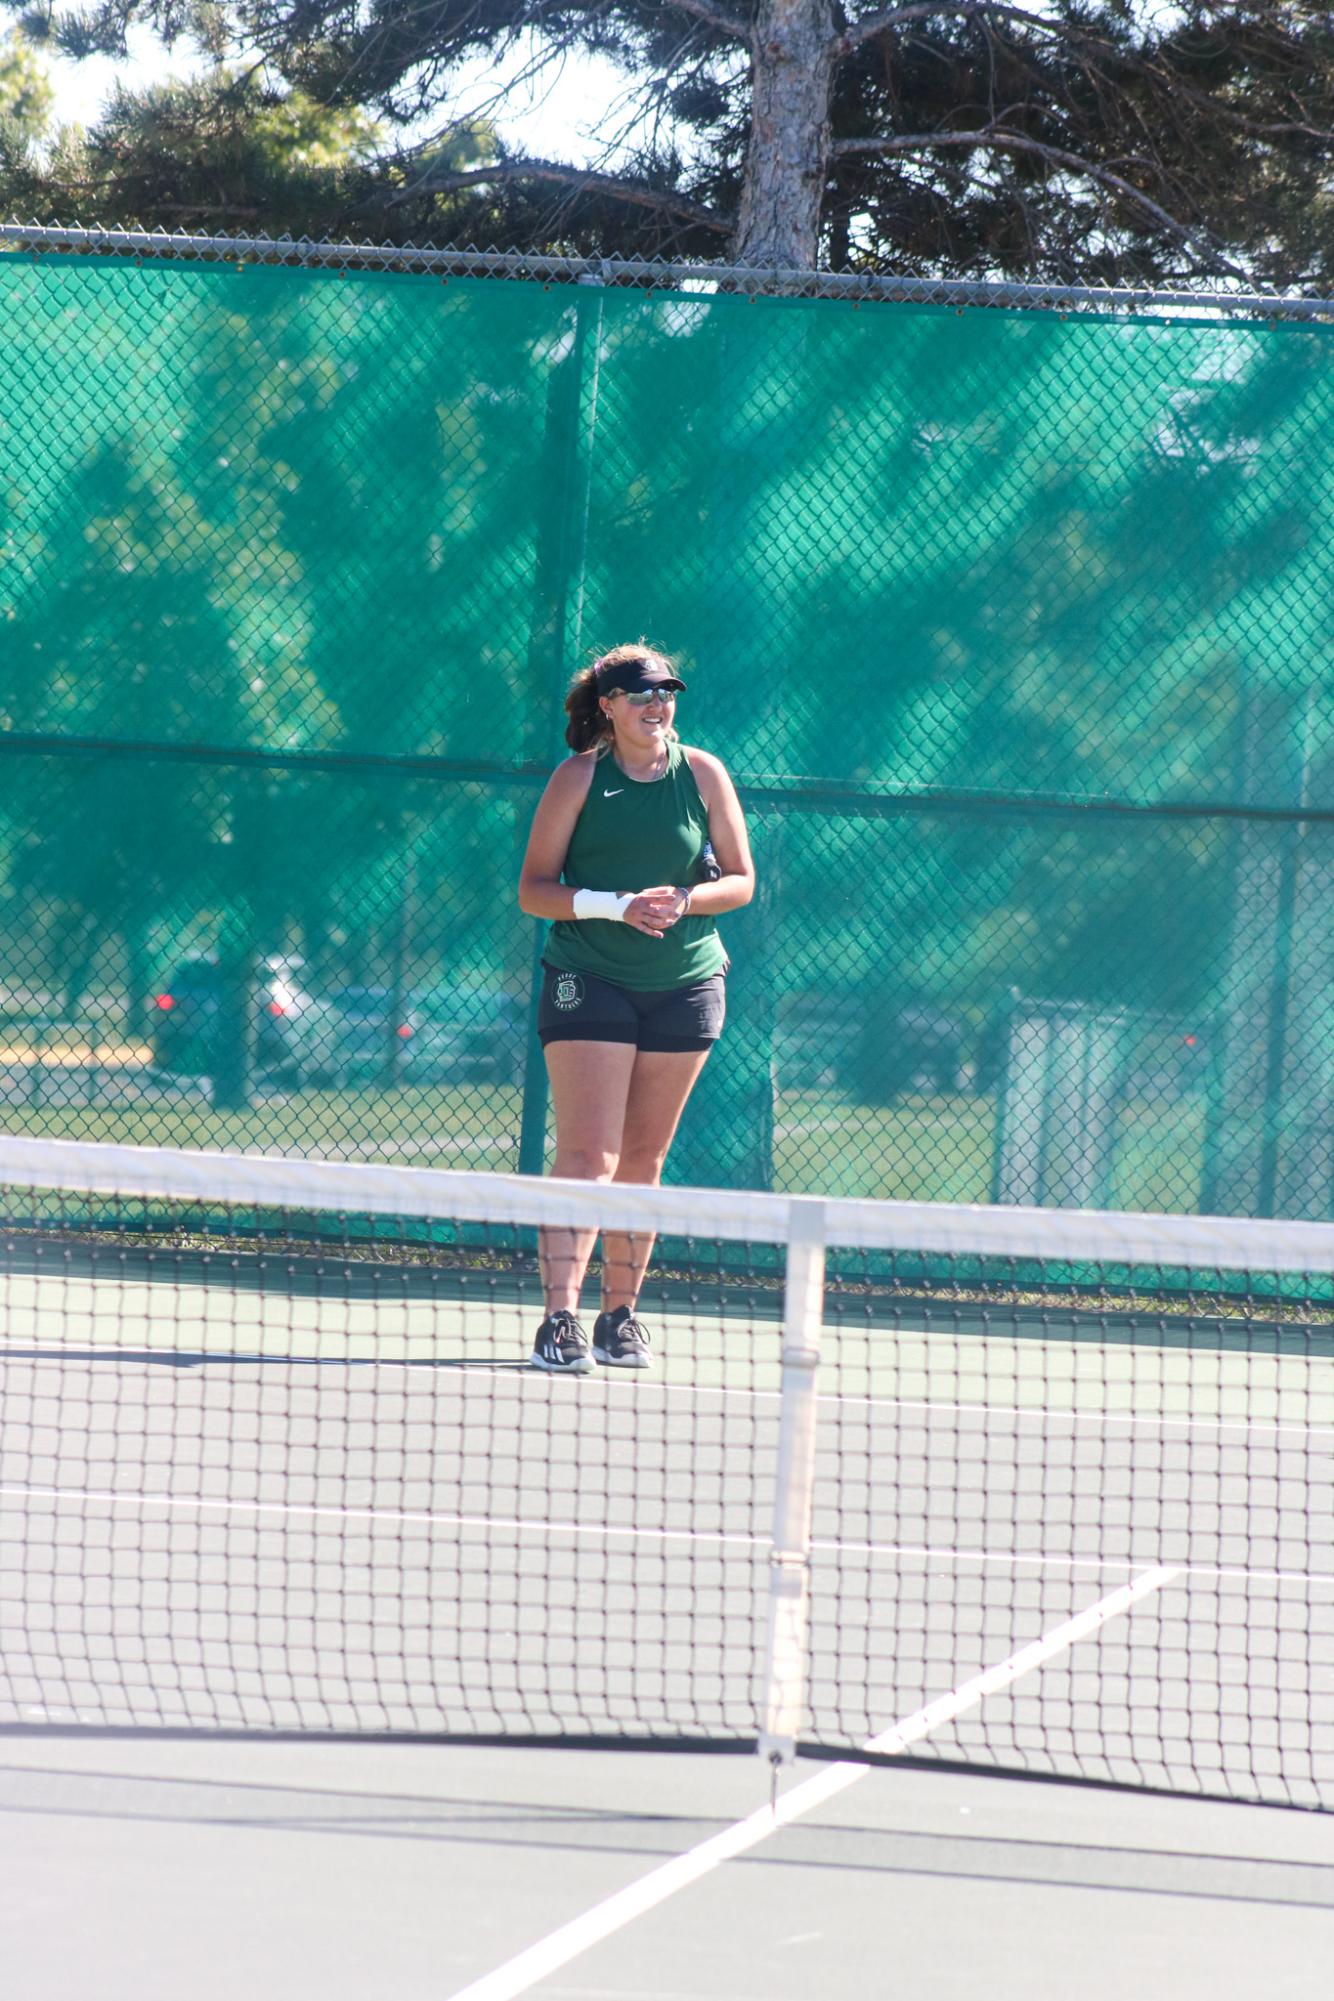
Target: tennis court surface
(1036,1493)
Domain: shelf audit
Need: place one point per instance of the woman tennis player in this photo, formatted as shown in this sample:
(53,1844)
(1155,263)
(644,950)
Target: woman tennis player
(638,844)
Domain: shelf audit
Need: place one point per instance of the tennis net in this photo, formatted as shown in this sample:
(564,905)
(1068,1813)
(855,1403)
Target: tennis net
(1032,1491)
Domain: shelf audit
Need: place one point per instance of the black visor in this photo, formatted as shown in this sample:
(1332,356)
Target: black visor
(630,677)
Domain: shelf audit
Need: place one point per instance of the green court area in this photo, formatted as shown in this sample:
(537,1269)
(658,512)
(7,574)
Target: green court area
(485,1321)
(312,1499)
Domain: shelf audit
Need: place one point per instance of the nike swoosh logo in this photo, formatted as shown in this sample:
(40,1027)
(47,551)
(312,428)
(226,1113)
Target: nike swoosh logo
(614,795)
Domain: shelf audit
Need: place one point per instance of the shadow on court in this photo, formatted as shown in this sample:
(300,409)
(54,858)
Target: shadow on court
(300,1869)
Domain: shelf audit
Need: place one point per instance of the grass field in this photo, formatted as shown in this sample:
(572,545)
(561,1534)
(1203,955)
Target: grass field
(925,1147)
(472,1126)
(941,1149)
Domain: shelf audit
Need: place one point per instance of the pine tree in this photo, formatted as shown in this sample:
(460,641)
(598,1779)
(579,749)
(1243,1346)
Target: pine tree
(1090,140)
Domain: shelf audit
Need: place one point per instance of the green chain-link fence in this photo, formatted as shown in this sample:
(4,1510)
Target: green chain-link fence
(1014,629)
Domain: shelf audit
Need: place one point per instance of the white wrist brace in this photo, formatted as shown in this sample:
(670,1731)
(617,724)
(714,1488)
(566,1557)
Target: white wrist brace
(604,903)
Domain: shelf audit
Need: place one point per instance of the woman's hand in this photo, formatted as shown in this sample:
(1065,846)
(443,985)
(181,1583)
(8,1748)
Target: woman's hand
(654,911)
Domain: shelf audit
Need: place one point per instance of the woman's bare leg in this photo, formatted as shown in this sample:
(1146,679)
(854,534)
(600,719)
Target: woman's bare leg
(659,1085)
(590,1086)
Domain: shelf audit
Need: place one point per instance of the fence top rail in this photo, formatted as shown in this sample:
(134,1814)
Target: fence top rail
(858,286)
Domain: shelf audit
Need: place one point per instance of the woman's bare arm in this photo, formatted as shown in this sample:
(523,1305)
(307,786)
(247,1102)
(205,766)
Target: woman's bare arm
(541,891)
(727,832)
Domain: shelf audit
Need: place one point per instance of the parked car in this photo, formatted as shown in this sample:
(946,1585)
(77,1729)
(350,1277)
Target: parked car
(467,1035)
(815,1040)
(914,1047)
(862,1043)
(291,1027)
(370,1034)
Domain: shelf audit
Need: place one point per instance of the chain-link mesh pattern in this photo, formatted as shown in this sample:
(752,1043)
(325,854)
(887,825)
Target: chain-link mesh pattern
(553,268)
(1010,626)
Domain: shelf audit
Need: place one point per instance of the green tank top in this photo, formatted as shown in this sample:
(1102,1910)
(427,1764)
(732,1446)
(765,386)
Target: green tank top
(629,836)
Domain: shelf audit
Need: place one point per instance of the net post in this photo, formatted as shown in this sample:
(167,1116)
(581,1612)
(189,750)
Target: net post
(789,1557)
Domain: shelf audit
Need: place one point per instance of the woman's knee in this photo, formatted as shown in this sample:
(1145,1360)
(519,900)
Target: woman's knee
(585,1163)
(642,1165)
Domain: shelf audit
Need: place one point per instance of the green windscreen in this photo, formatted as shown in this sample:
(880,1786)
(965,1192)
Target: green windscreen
(1013,631)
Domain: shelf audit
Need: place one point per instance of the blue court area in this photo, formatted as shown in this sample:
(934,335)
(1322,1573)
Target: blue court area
(143,1871)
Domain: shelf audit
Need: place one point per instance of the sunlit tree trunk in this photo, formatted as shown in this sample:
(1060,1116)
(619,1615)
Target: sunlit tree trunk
(793,55)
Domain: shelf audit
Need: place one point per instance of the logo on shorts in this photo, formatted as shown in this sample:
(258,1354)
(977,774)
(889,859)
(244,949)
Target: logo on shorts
(568,991)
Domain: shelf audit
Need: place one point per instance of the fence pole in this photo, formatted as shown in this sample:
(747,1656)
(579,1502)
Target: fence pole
(234,1032)
(1244,1139)
(565,480)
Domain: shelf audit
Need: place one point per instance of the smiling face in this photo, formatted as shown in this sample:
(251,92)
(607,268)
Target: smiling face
(642,720)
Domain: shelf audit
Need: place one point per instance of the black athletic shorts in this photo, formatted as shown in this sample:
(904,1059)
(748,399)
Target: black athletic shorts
(580,1007)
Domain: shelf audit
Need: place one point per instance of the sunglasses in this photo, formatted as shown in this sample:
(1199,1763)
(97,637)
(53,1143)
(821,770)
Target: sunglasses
(640,698)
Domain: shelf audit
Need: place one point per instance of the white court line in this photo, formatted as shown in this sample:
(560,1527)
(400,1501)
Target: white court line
(1040,1414)
(1047,1416)
(713,1538)
(568,1941)
(837,1399)
(422,1517)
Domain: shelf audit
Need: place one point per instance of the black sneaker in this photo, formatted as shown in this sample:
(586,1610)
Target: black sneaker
(562,1346)
(620,1341)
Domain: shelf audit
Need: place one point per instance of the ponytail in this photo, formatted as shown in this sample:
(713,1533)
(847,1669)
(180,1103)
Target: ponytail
(589,726)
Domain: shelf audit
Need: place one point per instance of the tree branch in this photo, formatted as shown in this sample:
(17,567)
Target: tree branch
(716,17)
(871,25)
(580,178)
(1217,109)
(1016,142)
(486,107)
